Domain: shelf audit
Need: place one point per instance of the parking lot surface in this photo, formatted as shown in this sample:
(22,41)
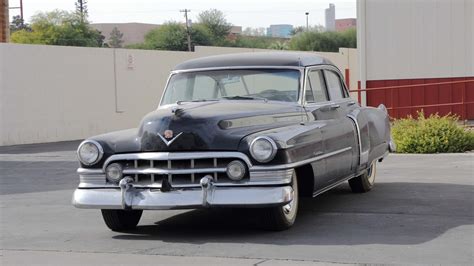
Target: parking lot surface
(420,211)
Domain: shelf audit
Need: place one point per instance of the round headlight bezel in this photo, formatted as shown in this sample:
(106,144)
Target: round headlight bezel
(100,152)
(272,154)
(242,167)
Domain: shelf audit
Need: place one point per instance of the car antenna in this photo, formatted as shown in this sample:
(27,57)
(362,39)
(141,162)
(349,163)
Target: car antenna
(299,61)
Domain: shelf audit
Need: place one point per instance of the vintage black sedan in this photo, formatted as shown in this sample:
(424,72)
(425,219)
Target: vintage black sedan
(254,130)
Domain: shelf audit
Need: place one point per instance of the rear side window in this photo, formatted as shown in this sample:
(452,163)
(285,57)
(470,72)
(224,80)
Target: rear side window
(334,85)
(315,88)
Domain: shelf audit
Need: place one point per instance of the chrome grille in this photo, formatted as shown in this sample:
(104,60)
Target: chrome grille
(180,169)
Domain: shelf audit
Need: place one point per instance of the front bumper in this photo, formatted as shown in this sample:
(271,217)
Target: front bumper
(130,197)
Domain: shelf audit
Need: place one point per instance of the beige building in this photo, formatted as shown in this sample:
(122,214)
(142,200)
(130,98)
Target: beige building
(132,32)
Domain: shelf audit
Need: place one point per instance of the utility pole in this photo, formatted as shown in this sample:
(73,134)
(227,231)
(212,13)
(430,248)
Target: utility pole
(19,7)
(307,24)
(81,8)
(187,27)
(4,21)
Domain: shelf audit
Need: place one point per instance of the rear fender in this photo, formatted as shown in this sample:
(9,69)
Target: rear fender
(373,130)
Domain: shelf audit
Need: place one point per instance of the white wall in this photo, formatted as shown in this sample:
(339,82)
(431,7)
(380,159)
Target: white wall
(54,93)
(417,39)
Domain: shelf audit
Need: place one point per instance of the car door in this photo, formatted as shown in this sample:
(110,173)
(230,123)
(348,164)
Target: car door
(341,139)
(335,129)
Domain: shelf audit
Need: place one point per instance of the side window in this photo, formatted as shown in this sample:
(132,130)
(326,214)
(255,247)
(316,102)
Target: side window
(204,88)
(334,85)
(315,88)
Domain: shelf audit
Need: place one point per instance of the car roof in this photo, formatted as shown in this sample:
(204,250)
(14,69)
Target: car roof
(256,59)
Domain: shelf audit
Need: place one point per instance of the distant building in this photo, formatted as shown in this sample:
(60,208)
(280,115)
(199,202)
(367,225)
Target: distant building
(234,32)
(280,30)
(135,32)
(330,16)
(345,23)
(132,32)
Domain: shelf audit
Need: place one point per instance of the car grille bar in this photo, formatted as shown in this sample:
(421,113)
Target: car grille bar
(180,169)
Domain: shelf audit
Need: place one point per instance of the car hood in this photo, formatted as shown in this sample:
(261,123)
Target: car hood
(201,126)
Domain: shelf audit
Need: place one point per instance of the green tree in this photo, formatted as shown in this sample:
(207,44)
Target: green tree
(18,24)
(115,39)
(328,41)
(214,20)
(59,27)
(173,36)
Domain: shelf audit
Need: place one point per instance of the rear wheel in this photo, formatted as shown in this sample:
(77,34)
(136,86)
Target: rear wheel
(121,220)
(282,217)
(365,182)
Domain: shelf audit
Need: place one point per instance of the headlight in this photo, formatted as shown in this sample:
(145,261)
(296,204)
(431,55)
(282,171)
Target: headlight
(90,152)
(113,172)
(263,149)
(236,170)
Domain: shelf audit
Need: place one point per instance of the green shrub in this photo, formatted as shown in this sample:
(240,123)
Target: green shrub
(433,134)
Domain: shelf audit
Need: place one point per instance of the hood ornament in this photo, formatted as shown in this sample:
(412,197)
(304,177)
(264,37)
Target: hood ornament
(168,138)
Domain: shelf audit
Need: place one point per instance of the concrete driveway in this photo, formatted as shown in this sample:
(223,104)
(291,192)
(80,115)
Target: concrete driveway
(421,211)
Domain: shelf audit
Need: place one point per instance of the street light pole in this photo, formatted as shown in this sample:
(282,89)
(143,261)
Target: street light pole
(307,24)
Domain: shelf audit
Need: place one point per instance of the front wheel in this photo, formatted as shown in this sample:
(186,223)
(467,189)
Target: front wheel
(282,217)
(365,182)
(121,220)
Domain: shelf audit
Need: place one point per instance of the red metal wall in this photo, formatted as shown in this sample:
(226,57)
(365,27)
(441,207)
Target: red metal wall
(423,95)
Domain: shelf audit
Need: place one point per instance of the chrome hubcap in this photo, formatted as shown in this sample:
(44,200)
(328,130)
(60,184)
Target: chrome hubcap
(371,174)
(288,207)
(289,210)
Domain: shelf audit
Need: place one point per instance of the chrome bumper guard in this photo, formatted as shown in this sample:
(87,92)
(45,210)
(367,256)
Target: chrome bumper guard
(265,186)
(208,195)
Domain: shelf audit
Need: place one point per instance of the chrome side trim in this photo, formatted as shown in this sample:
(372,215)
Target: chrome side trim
(273,177)
(87,171)
(333,185)
(359,141)
(300,163)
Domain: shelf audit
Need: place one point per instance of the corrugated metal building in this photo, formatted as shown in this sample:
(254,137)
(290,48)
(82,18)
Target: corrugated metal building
(404,43)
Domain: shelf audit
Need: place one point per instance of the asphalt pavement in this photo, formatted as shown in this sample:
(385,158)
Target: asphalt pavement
(420,211)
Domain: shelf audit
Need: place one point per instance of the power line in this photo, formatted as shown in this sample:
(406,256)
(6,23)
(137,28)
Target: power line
(185,11)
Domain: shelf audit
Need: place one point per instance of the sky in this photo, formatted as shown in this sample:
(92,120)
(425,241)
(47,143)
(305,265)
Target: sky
(245,13)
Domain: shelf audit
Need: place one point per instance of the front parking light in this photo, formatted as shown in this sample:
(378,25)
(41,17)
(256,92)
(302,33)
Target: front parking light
(114,172)
(236,170)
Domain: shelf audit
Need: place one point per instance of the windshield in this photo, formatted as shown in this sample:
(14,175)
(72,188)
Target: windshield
(249,84)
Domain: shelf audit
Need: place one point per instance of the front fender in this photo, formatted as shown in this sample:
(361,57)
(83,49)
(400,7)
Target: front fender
(295,143)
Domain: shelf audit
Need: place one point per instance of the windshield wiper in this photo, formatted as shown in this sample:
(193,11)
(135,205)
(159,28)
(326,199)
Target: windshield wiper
(241,97)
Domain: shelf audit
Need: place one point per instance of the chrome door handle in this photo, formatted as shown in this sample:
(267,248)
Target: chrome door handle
(335,106)
(351,103)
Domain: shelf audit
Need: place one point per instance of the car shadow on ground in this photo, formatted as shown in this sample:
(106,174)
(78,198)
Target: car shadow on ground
(393,213)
